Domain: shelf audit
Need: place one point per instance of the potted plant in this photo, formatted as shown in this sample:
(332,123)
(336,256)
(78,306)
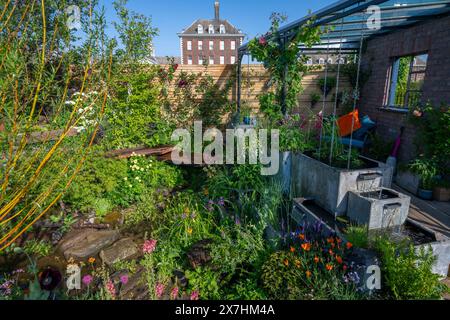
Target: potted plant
(426,169)
(315,97)
(246,115)
(441,190)
(327,87)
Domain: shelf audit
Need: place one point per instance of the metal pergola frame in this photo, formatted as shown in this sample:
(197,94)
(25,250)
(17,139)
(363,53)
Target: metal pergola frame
(348,18)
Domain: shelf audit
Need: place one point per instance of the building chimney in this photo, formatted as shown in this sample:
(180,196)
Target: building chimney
(217,10)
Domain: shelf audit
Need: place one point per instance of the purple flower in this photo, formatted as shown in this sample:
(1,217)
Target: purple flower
(221,202)
(124,279)
(18,271)
(87,279)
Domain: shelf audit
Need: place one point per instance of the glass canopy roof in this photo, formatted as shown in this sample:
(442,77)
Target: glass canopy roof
(347,21)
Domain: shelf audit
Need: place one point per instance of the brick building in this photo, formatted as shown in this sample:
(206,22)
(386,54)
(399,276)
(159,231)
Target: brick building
(214,41)
(427,45)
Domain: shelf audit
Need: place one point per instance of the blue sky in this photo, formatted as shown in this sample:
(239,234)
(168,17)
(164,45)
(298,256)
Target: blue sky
(251,16)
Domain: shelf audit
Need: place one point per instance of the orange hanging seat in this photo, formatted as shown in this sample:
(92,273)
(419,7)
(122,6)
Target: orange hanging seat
(348,122)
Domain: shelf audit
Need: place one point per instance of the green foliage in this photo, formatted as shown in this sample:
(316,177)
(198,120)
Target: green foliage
(292,138)
(206,282)
(186,221)
(246,289)
(196,96)
(282,59)
(135,31)
(37,248)
(315,98)
(134,117)
(238,248)
(408,272)
(105,183)
(427,170)
(433,135)
(380,148)
(328,86)
(358,236)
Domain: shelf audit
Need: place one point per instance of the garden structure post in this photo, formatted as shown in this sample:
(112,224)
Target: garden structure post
(239,81)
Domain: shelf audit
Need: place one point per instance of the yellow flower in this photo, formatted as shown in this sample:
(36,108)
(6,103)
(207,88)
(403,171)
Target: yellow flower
(91,260)
(189,231)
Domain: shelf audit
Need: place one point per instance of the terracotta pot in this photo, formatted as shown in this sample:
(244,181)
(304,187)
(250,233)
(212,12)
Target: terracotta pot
(441,194)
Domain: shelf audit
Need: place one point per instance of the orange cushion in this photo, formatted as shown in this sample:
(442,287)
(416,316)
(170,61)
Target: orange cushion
(347,122)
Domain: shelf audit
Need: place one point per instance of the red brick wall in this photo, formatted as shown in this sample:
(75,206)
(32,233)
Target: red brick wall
(195,53)
(432,37)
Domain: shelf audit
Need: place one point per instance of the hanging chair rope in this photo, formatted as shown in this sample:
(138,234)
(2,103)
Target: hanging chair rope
(324,95)
(356,93)
(338,76)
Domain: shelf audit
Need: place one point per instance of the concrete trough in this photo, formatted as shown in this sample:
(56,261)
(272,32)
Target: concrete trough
(379,209)
(306,210)
(329,186)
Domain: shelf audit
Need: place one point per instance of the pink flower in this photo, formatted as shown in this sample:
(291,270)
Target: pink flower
(149,246)
(262,41)
(195,295)
(124,279)
(174,293)
(87,279)
(159,290)
(111,288)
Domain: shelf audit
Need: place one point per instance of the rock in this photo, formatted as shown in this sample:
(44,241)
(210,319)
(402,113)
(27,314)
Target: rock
(199,255)
(136,288)
(88,243)
(123,249)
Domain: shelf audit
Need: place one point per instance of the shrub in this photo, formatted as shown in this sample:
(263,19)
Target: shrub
(408,272)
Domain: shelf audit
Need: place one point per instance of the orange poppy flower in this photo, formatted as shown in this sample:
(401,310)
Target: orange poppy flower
(333,245)
(339,259)
(292,249)
(330,240)
(316,259)
(308,274)
(306,246)
(339,240)
(91,260)
(286,262)
(331,252)
(298,264)
(301,236)
(349,245)
(329,267)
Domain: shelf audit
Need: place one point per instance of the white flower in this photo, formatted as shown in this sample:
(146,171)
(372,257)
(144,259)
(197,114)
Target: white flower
(70,102)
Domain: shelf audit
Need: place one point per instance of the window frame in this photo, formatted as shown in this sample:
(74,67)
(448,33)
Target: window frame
(189,45)
(222,60)
(393,81)
(222,45)
(200,29)
(211,45)
(200,45)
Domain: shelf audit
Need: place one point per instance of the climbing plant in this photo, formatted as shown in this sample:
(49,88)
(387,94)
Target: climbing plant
(283,59)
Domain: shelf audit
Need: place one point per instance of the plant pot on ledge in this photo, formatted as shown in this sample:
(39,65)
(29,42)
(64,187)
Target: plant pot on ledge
(425,194)
(441,194)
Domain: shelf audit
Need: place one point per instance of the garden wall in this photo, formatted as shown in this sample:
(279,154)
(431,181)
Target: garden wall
(254,83)
(432,37)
